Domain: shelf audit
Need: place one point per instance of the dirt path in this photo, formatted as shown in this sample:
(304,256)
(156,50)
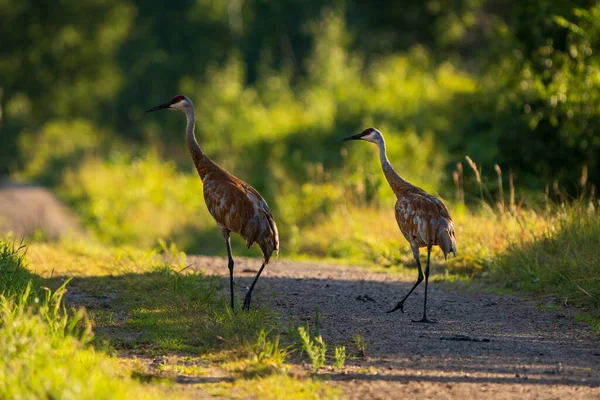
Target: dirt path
(29,209)
(499,347)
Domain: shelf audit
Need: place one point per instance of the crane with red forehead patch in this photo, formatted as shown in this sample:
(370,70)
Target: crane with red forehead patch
(423,219)
(235,205)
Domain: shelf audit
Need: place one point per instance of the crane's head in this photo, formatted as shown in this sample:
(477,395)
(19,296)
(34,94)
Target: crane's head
(369,134)
(179,102)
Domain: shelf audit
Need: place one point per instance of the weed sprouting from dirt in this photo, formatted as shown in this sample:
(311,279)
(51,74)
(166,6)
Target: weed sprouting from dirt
(360,345)
(340,357)
(266,356)
(317,330)
(314,347)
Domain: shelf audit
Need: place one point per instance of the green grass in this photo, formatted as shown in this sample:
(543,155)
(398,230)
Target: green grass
(314,347)
(561,262)
(339,357)
(277,387)
(14,277)
(145,305)
(44,357)
(166,311)
(267,356)
(151,298)
(159,320)
(43,348)
(550,251)
(371,235)
(592,322)
(136,193)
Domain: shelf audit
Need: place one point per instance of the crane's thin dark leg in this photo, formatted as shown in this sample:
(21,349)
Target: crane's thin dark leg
(230,265)
(424,319)
(249,294)
(400,305)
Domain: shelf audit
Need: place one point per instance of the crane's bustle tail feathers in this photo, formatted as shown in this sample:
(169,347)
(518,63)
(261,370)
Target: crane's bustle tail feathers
(269,240)
(445,237)
(261,229)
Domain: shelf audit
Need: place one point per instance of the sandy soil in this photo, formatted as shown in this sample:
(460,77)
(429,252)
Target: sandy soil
(500,347)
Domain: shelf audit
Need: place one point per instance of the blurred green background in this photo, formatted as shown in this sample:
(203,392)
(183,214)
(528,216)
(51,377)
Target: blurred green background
(275,85)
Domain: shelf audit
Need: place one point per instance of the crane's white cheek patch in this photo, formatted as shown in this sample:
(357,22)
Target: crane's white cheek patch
(179,105)
(369,137)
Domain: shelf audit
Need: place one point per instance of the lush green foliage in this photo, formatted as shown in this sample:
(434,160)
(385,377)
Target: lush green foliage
(537,106)
(275,87)
(513,85)
(561,261)
(191,314)
(152,305)
(473,80)
(41,356)
(14,277)
(137,200)
(125,200)
(43,349)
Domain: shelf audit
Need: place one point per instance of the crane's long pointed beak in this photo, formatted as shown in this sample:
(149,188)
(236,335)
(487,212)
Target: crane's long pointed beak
(353,137)
(159,107)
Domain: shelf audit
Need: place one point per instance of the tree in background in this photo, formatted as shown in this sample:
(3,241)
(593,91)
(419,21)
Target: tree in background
(95,65)
(58,60)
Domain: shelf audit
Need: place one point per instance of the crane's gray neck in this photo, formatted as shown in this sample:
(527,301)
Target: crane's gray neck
(201,162)
(396,181)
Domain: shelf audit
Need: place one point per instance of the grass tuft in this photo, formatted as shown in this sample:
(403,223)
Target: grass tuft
(340,357)
(266,356)
(14,277)
(314,347)
(562,261)
(360,344)
(43,348)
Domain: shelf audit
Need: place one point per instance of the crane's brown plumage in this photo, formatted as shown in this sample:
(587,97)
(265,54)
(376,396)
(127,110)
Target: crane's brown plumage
(424,220)
(235,205)
(239,208)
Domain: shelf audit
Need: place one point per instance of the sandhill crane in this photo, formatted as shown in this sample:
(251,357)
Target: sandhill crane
(235,205)
(423,219)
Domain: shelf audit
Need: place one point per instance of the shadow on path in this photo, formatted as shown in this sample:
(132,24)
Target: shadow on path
(479,338)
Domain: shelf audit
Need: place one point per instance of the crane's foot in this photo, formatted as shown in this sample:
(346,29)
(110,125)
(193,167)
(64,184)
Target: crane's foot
(399,306)
(424,320)
(246,306)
